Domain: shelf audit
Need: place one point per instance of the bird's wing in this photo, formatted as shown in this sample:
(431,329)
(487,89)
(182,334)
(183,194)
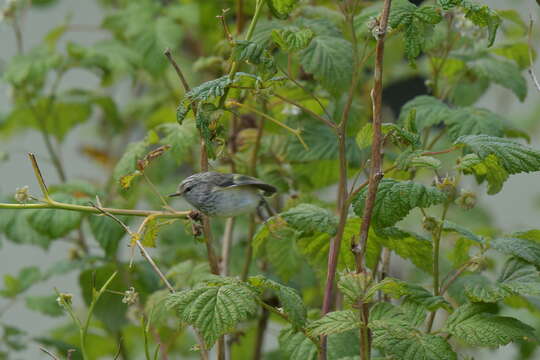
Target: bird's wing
(236,180)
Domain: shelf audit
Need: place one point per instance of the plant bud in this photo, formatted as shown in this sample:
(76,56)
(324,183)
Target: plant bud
(22,195)
(64,299)
(447,185)
(429,223)
(130,296)
(467,200)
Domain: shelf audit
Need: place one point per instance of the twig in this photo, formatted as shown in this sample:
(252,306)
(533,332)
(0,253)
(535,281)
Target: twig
(49,353)
(226,30)
(144,253)
(296,132)
(226,246)
(306,110)
(179,72)
(428,153)
(155,191)
(454,277)
(239,16)
(531,60)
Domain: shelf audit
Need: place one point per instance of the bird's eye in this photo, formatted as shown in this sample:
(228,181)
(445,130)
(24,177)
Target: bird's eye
(187,189)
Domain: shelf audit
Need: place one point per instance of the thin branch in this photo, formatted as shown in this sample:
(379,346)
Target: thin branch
(531,58)
(179,72)
(155,191)
(226,30)
(296,132)
(428,153)
(306,110)
(39,176)
(53,356)
(376,173)
(226,246)
(144,253)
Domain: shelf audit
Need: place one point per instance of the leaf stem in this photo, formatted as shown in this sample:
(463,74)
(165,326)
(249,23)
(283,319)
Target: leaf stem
(306,110)
(436,250)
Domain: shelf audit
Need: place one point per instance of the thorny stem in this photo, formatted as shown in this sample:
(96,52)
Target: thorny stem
(436,249)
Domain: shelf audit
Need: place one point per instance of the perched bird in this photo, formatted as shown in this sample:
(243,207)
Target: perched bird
(225,195)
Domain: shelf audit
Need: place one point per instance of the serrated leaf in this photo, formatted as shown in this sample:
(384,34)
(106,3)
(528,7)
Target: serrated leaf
(408,343)
(16,227)
(473,121)
(308,218)
(107,232)
(450,226)
(46,305)
(296,346)
(517,278)
(411,292)
(416,21)
(483,16)
(429,111)
(329,59)
(407,245)
(515,51)
(292,39)
(56,223)
(290,301)
(364,138)
(214,310)
(395,199)
(501,72)
(514,157)
(188,273)
(356,287)
(128,162)
(181,138)
(281,8)
(522,248)
(248,51)
(473,325)
(334,323)
(491,170)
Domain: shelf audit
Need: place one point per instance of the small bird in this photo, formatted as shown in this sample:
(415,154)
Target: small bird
(225,195)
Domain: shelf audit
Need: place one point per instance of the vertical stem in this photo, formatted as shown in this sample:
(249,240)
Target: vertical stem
(239,16)
(436,251)
(261,329)
(226,246)
(249,249)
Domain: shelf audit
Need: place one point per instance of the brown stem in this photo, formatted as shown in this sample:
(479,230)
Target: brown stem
(249,249)
(428,153)
(226,246)
(53,356)
(239,16)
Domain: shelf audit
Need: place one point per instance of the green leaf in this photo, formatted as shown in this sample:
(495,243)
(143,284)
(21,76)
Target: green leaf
(514,157)
(214,309)
(329,59)
(364,138)
(515,51)
(204,92)
(395,199)
(247,51)
(416,22)
(188,273)
(413,159)
(308,218)
(450,226)
(46,305)
(407,245)
(356,288)
(17,228)
(31,67)
(473,121)
(56,223)
(128,162)
(289,299)
(483,16)
(517,278)
(473,325)
(181,139)
(489,169)
(501,72)
(281,8)
(26,277)
(429,111)
(408,343)
(59,116)
(296,346)
(292,39)
(396,288)
(334,323)
(522,248)
(107,232)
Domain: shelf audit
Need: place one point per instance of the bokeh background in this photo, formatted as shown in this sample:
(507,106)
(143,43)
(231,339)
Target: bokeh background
(516,207)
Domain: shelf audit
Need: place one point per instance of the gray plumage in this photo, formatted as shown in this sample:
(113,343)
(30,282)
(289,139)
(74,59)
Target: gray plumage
(226,195)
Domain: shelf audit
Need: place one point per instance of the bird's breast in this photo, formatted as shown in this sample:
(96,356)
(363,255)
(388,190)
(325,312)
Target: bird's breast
(234,201)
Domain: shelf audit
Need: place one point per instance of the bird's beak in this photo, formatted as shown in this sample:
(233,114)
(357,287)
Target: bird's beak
(180,193)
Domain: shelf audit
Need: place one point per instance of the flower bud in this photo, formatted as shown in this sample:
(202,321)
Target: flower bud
(130,296)
(467,200)
(64,299)
(22,195)
(429,223)
(447,185)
